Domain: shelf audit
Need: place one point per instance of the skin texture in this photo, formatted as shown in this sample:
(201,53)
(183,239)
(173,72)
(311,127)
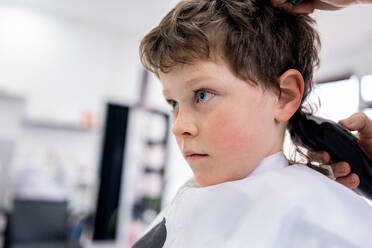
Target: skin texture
(309,6)
(235,124)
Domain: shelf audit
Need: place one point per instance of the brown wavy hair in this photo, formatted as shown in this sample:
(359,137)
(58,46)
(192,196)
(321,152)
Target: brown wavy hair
(257,41)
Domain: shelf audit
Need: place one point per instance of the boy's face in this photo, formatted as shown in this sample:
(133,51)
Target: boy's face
(223,125)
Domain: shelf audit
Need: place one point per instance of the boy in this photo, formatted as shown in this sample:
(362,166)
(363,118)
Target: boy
(235,72)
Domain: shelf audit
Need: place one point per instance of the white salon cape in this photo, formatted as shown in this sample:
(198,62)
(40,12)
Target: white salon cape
(275,206)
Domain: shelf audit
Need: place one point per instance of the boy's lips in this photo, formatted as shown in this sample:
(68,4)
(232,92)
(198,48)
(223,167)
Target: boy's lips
(193,155)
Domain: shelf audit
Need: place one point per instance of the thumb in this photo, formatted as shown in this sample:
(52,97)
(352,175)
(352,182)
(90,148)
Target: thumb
(358,122)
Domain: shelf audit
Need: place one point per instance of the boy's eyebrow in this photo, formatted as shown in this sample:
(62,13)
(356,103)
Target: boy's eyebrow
(198,79)
(192,81)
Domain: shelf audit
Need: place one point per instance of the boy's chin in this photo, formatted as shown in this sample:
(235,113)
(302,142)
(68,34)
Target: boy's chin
(208,181)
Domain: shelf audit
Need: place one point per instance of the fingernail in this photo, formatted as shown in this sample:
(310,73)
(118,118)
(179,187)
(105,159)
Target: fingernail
(352,181)
(340,170)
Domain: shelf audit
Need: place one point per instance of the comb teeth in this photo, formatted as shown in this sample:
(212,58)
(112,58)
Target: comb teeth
(294,2)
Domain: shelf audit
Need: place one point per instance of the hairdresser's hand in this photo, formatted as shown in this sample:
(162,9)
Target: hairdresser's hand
(342,172)
(307,7)
(361,123)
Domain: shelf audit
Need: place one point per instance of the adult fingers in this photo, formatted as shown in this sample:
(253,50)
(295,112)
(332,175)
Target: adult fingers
(334,4)
(322,5)
(359,122)
(322,157)
(302,8)
(351,181)
(278,3)
(326,158)
(341,169)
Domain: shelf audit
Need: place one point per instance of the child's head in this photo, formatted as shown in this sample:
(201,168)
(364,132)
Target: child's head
(235,71)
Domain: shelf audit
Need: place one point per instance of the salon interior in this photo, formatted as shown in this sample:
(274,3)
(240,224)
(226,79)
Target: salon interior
(87,158)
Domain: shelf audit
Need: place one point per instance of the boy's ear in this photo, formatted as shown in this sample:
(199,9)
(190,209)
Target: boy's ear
(291,85)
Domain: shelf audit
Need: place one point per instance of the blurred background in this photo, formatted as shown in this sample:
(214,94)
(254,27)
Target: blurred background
(86,155)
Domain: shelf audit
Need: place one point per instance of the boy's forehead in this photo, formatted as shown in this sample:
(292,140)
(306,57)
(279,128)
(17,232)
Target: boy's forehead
(206,73)
(194,73)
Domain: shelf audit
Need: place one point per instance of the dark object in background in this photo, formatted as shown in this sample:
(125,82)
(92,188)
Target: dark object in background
(6,235)
(324,135)
(125,136)
(112,162)
(34,223)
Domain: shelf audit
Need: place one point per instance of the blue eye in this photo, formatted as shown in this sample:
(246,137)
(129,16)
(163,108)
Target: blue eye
(203,96)
(173,104)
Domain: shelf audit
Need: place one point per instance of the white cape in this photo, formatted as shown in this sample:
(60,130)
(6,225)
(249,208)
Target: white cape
(275,206)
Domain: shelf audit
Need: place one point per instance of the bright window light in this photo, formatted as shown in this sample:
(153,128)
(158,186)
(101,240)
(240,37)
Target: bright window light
(366,88)
(338,100)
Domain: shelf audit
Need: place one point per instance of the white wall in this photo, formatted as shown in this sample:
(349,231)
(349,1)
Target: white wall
(63,65)
(346,37)
(355,59)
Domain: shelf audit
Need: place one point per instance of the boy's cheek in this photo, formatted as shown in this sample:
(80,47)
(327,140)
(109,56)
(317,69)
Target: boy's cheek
(228,136)
(232,142)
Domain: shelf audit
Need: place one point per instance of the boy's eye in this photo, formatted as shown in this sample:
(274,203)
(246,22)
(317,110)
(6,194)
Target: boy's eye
(203,96)
(173,104)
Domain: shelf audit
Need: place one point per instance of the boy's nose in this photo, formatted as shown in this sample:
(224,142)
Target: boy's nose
(184,126)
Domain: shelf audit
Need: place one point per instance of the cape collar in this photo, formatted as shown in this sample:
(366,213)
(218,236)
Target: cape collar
(272,162)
